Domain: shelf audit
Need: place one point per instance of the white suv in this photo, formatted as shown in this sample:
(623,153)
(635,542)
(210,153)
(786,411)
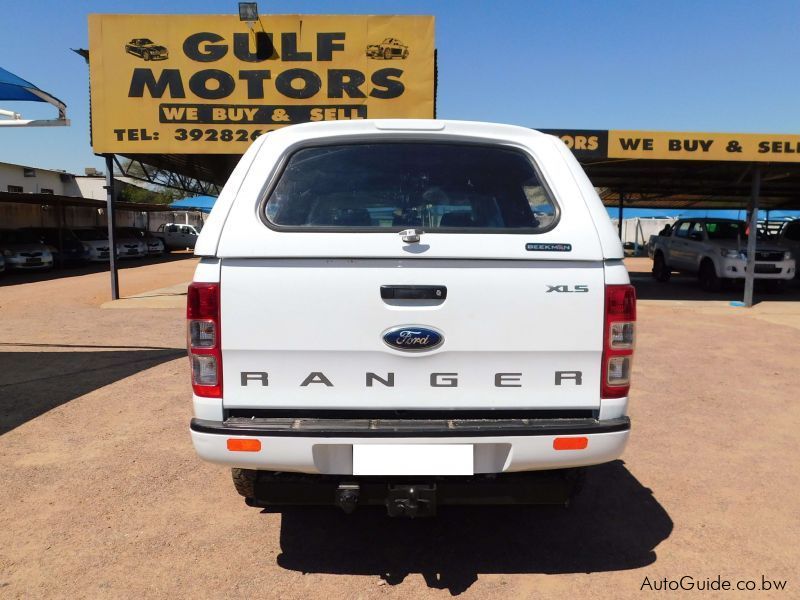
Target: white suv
(409,313)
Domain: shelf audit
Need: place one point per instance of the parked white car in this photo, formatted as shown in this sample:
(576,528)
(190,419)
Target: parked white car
(413,312)
(154,245)
(97,241)
(129,246)
(23,251)
(716,250)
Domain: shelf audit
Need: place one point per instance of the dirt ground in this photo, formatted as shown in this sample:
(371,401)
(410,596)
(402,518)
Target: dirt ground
(101,494)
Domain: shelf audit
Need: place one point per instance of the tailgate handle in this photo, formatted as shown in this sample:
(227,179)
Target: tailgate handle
(413,292)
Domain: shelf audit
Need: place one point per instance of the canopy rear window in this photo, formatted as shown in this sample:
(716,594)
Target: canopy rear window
(393,186)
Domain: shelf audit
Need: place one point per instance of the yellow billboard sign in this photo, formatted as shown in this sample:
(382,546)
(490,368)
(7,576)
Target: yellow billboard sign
(211,84)
(672,145)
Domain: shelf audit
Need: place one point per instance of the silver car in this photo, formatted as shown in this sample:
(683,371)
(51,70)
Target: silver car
(128,246)
(155,246)
(21,250)
(97,242)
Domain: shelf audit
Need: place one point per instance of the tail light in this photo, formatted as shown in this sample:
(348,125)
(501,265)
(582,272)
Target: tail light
(619,338)
(203,339)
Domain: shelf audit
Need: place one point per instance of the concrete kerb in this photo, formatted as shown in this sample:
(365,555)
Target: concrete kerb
(173,296)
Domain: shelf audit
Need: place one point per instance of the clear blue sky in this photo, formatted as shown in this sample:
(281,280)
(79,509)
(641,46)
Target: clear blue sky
(677,65)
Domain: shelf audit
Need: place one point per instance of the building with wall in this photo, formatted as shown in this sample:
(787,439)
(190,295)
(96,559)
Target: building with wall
(32,180)
(37,184)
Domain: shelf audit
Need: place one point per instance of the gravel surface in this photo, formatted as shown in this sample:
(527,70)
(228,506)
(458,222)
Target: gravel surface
(101,494)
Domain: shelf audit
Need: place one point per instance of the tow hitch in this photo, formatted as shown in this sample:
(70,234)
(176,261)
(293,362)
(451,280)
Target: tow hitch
(411,500)
(402,500)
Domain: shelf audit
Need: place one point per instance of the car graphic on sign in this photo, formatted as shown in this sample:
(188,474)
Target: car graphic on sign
(146,49)
(388,49)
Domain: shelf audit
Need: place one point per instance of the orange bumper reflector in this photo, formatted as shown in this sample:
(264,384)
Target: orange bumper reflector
(570,443)
(245,445)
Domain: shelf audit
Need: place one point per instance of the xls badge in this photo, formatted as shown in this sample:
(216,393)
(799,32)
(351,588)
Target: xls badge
(413,338)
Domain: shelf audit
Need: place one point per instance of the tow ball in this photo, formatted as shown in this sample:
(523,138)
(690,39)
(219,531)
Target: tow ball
(406,500)
(411,501)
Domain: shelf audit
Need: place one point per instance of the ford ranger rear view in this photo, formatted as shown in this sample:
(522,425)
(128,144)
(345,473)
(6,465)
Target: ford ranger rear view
(409,313)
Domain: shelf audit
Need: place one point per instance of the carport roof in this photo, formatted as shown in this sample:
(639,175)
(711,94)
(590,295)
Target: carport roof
(669,184)
(56,200)
(669,169)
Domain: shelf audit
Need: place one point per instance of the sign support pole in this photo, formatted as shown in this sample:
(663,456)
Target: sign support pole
(755,190)
(112,224)
(619,216)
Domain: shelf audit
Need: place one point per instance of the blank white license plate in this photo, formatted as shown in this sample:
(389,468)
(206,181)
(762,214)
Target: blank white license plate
(412,459)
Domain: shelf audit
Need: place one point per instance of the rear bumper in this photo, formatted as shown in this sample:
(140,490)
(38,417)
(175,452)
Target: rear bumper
(319,446)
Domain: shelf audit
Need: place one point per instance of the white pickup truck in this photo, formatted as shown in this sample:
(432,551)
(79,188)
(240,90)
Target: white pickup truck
(716,250)
(789,238)
(176,236)
(409,313)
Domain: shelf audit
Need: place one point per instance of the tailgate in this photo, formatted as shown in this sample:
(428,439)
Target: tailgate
(309,334)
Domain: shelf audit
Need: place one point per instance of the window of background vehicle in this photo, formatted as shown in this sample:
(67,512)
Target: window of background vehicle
(726,230)
(392,186)
(683,229)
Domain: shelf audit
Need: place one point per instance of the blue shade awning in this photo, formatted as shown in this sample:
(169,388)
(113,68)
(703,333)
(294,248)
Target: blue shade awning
(15,89)
(201,203)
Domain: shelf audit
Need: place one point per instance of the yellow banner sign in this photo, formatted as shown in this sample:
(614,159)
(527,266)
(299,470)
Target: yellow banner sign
(211,84)
(704,146)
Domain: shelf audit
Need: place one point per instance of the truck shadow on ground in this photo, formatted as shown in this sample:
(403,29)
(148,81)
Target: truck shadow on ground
(614,524)
(32,383)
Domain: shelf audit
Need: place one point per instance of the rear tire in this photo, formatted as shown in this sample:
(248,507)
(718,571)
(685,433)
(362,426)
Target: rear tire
(576,479)
(661,271)
(244,480)
(709,280)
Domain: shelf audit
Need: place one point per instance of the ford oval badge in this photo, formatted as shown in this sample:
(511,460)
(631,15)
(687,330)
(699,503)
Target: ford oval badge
(413,338)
